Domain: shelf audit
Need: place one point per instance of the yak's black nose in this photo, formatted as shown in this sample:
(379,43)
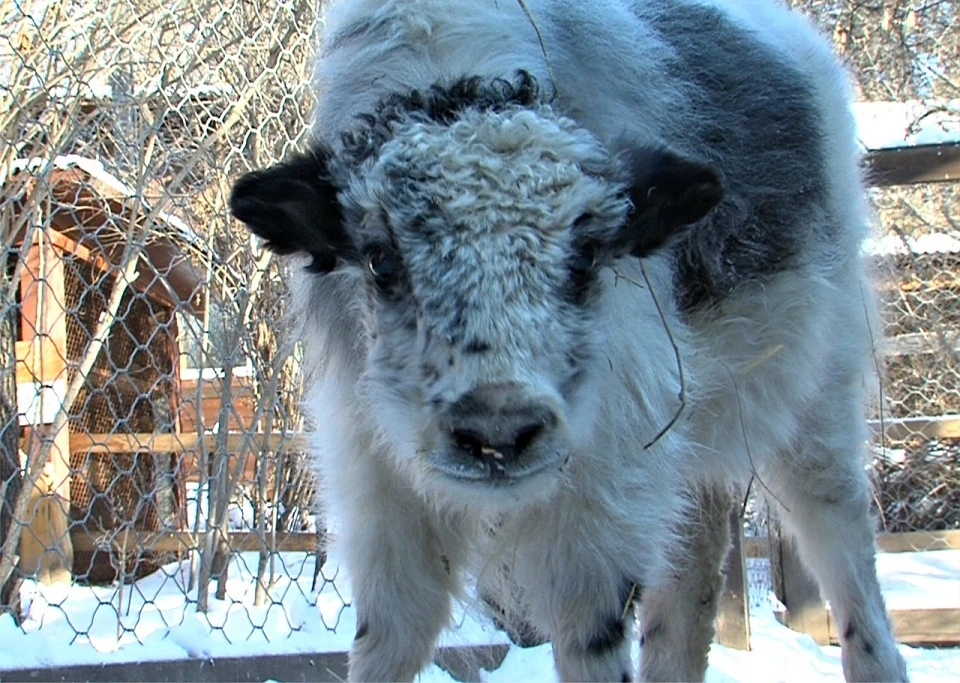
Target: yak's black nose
(497,423)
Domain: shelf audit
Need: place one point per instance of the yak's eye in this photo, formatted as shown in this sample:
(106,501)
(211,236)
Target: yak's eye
(383,266)
(322,263)
(586,247)
(586,258)
(583,265)
(582,219)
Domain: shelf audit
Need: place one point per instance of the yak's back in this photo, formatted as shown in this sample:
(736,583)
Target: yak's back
(741,84)
(601,57)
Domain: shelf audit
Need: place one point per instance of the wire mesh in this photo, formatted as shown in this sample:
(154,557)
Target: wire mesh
(149,446)
(917,469)
(150,392)
(907,52)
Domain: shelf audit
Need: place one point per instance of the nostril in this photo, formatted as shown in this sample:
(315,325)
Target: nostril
(481,446)
(468,441)
(526,436)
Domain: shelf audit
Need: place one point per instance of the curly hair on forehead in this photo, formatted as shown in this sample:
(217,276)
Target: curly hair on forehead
(441,103)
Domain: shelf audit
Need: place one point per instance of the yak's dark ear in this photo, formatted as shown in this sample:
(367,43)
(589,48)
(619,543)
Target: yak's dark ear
(668,194)
(293,207)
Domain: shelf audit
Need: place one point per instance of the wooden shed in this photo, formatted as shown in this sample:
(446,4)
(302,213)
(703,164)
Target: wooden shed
(73,243)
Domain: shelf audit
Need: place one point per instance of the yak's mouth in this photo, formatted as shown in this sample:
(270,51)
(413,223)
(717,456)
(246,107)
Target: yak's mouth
(492,468)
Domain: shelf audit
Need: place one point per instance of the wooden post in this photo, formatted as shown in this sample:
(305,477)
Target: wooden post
(46,549)
(796,589)
(11,478)
(733,613)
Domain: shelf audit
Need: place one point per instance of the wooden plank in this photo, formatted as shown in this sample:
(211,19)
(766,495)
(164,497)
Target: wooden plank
(941,281)
(918,626)
(462,662)
(921,626)
(251,447)
(45,546)
(213,387)
(38,360)
(796,589)
(912,541)
(896,542)
(183,541)
(733,613)
(942,427)
(918,343)
(134,443)
(913,165)
(241,416)
(80,251)
(318,667)
(182,443)
(29,303)
(756,546)
(208,393)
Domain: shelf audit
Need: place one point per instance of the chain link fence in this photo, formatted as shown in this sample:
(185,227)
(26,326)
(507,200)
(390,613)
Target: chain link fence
(908,52)
(917,469)
(150,457)
(151,397)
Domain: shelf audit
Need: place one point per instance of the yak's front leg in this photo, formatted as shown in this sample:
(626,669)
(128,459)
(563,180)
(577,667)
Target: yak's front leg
(677,615)
(584,602)
(592,630)
(402,582)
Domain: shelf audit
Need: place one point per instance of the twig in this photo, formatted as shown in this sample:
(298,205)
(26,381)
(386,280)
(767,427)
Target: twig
(543,46)
(682,395)
(746,497)
(629,601)
(767,355)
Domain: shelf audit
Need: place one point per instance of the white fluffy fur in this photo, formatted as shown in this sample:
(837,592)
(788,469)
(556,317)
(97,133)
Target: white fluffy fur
(777,380)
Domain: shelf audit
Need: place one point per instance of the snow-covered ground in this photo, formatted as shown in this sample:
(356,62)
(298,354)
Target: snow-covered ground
(152,620)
